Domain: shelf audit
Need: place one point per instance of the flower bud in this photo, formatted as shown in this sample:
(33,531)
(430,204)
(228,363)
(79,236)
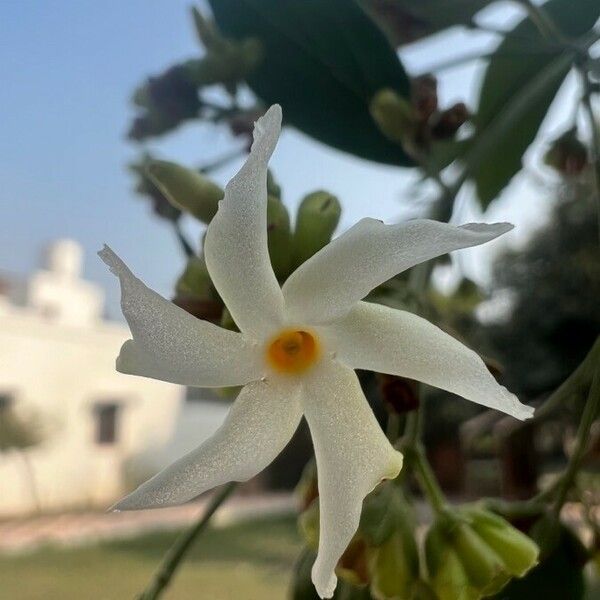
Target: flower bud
(567,154)
(395,567)
(446,123)
(308,524)
(195,280)
(273,188)
(195,293)
(400,395)
(518,552)
(475,553)
(318,216)
(395,116)
(232,63)
(353,565)
(227,321)
(279,237)
(186,189)
(424,96)
(307,489)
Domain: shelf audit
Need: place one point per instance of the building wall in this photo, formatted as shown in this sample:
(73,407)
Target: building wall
(57,362)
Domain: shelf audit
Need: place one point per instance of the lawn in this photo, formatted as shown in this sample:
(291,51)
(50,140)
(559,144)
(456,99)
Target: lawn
(245,561)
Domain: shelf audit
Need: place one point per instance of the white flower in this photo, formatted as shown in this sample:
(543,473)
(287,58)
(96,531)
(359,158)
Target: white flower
(297,351)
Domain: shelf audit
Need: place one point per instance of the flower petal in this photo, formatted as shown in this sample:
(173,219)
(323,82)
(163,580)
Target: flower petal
(385,340)
(172,345)
(329,283)
(353,456)
(235,247)
(260,423)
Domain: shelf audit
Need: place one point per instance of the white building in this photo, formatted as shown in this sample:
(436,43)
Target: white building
(99,433)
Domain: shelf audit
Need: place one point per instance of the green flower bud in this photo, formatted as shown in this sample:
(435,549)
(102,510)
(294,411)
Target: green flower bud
(484,568)
(446,573)
(227,321)
(279,237)
(273,188)
(195,280)
(353,565)
(518,552)
(318,216)
(308,524)
(395,116)
(395,567)
(307,489)
(186,189)
(476,553)
(567,154)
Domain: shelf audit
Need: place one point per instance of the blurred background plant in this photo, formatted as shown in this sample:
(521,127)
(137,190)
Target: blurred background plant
(335,69)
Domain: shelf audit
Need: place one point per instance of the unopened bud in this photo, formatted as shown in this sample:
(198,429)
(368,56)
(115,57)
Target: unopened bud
(400,395)
(424,96)
(518,552)
(395,567)
(476,552)
(195,280)
(227,321)
(308,524)
(567,154)
(279,237)
(395,116)
(353,565)
(273,188)
(318,216)
(307,489)
(186,189)
(445,124)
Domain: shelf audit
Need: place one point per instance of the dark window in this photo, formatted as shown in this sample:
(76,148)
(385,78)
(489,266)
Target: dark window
(107,416)
(6,401)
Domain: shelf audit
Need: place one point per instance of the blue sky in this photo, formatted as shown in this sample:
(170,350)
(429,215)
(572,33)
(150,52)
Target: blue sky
(68,68)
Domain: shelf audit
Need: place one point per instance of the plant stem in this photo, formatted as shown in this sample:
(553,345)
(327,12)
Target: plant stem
(543,22)
(427,478)
(183,242)
(590,414)
(575,386)
(178,550)
(393,427)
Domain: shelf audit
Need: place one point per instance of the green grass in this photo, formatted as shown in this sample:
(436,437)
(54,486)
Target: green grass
(247,561)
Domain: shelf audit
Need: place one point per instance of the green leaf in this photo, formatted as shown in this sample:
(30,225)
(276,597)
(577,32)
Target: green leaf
(407,20)
(323,63)
(523,63)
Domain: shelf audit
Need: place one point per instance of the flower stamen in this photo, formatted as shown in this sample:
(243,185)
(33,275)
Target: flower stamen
(293,351)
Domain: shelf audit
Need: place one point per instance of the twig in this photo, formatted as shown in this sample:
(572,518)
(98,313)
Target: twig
(590,414)
(186,247)
(178,550)
(543,22)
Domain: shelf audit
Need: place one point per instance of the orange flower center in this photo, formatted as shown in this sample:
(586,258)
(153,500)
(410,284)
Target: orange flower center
(293,351)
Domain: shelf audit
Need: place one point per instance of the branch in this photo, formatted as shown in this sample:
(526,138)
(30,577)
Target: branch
(179,549)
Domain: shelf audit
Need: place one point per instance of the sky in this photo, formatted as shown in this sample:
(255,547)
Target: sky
(68,69)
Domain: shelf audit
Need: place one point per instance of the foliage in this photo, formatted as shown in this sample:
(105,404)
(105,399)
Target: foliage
(324,61)
(554,283)
(340,81)
(523,75)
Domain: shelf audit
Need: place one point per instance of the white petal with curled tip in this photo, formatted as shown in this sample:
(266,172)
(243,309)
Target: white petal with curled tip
(385,340)
(172,345)
(353,456)
(260,423)
(329,283)
(235,247)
